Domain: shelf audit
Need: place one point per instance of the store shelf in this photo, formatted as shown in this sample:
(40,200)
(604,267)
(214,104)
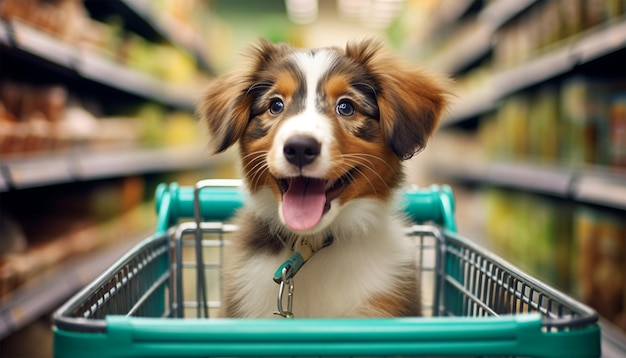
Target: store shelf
(536,71)
(475,44)
(135,14)
(583,49)
(5,37)
(140,19)
(576,51)
(601,42)
(23,39)
(111,164)
(591,186)
(601,189)
(50,290)
(497,13)
(613,340)
(473,40)
(540,179)
(448,13)
(36,171)
(4,186)
(470,105)
(106,72)
(32,56)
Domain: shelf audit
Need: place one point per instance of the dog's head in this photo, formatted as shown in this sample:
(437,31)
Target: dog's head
(322,127)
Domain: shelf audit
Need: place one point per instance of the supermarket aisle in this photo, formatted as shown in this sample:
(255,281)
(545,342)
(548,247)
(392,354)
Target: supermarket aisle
(537,136)
(97,107)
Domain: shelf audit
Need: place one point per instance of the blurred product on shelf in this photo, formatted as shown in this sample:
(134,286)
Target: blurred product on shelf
(617,131)
(173,65)
(43,119)
(13,237)
(577,121)
(587,106)
(160,128)
(599,265)
(66,19)
(531,231)
(580,250)
(37,119)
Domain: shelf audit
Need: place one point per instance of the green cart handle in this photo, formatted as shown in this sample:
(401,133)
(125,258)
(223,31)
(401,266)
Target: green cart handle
(434,203)
(220,199)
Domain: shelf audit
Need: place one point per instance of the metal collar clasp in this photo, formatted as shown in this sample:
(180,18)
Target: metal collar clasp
(285,283)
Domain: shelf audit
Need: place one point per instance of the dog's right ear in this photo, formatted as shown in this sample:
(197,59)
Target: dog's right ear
(225,111)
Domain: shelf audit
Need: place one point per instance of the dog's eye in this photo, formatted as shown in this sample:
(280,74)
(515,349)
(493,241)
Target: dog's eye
(345,108)
(276,106)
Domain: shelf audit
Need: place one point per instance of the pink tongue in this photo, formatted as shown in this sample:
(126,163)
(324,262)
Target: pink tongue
(303,203)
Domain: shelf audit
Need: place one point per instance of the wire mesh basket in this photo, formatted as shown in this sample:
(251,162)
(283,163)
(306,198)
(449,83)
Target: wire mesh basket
(161,299)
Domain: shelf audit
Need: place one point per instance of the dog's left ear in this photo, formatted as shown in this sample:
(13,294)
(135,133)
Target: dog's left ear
(410,100)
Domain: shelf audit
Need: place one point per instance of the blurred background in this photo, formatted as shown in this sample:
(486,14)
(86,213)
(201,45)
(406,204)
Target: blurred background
(97,107)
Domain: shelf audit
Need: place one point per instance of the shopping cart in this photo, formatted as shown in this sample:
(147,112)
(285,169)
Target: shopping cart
(160,298)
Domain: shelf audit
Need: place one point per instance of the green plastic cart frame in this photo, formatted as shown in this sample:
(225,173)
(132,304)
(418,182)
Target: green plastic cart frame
(480,306)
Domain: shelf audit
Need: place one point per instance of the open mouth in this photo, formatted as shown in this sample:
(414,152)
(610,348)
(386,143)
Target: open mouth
(306,199)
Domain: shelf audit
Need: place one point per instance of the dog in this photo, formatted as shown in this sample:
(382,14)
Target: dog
(322,136)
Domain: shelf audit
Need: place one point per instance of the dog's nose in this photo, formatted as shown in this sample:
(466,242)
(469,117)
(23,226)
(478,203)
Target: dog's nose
(301,150)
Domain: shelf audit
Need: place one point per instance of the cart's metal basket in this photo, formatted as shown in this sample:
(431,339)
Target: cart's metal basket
(155,301)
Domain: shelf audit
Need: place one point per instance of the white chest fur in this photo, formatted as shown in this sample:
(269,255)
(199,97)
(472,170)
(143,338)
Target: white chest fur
(359,264)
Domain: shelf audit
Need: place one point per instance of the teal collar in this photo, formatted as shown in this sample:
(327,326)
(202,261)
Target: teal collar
(302,252)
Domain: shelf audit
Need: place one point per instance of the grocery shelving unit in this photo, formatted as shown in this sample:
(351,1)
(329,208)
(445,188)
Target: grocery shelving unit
(478,37)
(467,39)
(99,76)
(576,52)
(597,186)
(143,21)
(23,41)
(49,290)
(42,170)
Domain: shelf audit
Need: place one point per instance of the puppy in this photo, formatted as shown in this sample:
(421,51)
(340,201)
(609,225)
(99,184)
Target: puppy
(322,135)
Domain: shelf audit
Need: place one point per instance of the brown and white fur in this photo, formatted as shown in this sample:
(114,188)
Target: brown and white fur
(344,119)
